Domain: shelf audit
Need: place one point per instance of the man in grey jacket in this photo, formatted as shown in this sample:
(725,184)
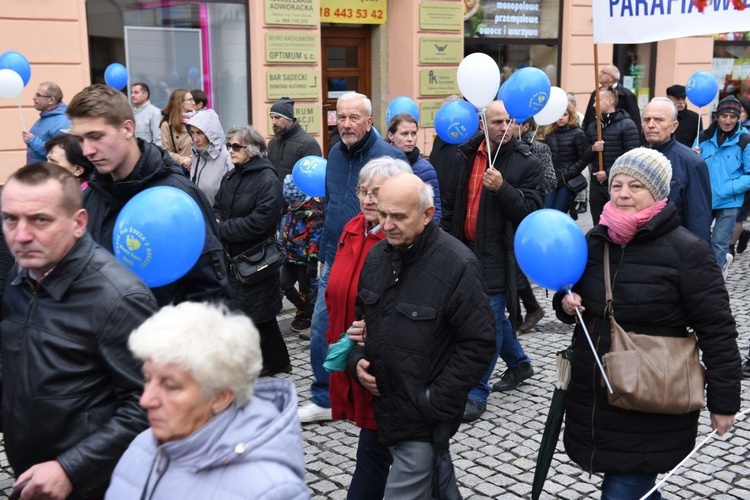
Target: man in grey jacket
(70,385)
(147,116)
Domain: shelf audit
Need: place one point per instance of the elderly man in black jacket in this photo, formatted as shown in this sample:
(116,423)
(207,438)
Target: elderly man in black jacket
(429,333)
(70,384)
(494,187)
(609,76)
(125,166)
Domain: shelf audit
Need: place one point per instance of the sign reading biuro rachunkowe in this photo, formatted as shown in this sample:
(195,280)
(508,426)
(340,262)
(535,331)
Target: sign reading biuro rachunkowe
(294,83)
(292,47)
(291,12)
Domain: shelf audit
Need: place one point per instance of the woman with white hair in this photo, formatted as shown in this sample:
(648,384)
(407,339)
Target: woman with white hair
(216,431)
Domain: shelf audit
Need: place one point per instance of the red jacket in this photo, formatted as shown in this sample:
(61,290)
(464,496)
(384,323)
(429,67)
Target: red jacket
(349,400)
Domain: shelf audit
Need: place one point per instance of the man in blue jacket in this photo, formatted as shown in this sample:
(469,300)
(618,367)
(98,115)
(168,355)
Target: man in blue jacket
(690,189)
(48,100)
(358,145)
(721,145)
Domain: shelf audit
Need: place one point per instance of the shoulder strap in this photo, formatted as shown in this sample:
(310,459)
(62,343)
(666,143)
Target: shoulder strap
(174,144)
(744,140)
(607,282)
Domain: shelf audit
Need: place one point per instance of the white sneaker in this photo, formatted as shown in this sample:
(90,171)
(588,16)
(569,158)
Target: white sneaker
(313,413)
(725,269)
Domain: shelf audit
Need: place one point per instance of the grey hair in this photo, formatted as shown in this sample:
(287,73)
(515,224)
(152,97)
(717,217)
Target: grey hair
(255,144)
(383,167)
(350,96)
(667,100)
(426,196)
(219,349)
(572,98)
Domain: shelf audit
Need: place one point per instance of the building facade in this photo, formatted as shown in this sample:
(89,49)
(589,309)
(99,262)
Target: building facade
(245,54)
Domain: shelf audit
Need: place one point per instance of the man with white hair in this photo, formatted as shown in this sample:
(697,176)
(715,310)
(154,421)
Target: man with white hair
(609,76)
(70,386)
(429,335)
(359,144)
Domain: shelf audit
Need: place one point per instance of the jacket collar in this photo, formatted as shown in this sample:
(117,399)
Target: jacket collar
(417,248)
(59,280)
(286,134)
(663,147)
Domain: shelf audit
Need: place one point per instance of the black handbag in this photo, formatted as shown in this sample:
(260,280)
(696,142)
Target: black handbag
(577,184)
(257,262)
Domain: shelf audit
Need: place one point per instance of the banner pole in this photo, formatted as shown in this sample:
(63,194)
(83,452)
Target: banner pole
(598,110)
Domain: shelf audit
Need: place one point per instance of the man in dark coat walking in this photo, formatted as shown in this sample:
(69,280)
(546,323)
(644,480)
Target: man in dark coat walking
(290,142)
(689,122)
(609,76)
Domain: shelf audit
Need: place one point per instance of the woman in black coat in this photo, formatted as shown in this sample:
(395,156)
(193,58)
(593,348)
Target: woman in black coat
(248,209)
(567,143)
(664,281)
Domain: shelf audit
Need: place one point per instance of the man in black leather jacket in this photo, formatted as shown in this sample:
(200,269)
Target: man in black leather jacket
(70,385)
(103,121)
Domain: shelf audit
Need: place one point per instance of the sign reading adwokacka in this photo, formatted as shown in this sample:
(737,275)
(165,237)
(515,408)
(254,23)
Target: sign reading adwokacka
(291,12)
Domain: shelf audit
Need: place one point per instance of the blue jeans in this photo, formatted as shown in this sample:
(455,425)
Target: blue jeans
(628,487)
(721,234)
(371,473)
(508,348)
(319,344)
(558,199)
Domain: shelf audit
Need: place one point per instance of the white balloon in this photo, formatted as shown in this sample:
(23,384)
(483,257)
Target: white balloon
(11,84)
(478,79)
(555,107)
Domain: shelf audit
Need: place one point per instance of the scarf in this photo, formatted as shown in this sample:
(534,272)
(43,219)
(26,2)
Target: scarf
(621,226)
(187,116)
(413,156)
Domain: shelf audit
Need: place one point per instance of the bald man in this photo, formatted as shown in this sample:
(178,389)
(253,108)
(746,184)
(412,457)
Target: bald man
(429,333)
(609,76)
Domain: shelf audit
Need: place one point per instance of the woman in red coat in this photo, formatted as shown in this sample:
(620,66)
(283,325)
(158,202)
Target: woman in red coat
(349,400)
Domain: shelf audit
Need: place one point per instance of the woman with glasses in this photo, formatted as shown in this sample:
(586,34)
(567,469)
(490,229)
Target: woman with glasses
(349,400)
(175,139)
(248,209)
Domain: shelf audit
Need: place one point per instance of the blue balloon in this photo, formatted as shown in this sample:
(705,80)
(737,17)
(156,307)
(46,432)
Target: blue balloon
(401,104)
(194,73)
(701,88)
(526,93)
(18,63)
(456,122)
(309,174)
(159,235)
(551,249)
(116,76)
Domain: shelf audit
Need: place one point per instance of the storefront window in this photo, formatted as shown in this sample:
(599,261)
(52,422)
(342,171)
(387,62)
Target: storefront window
(173,44)
(515,33)
(636,63)
(731,64)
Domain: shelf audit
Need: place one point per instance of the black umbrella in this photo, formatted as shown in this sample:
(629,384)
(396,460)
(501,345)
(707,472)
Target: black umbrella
(553,424)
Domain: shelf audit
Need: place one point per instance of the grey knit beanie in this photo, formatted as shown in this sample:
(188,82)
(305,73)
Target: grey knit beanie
(649,166)
(284,107)
(291,192)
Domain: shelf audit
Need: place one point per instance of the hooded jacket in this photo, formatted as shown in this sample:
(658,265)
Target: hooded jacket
(663,281)
(104,199)
(51,123)
(211,164)
(728,165)
(250,452)
(289,146)
(619,134)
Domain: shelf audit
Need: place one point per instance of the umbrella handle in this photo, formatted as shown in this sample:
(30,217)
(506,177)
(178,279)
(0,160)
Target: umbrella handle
(591,344)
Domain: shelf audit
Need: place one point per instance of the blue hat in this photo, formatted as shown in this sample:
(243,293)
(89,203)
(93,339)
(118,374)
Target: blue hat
(291,191)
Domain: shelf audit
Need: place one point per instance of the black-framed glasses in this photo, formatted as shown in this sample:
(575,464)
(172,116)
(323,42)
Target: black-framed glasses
(38,95)
(235,147)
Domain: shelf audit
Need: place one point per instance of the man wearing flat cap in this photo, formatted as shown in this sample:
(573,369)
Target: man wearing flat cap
(690,122)
(290,142)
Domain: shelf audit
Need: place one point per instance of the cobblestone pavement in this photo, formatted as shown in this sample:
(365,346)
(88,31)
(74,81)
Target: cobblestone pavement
(495,456)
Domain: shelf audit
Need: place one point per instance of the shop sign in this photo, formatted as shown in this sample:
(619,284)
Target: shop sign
(308,116)
(427,111)
(438,81)
(292,47)
(294,83)
(441,16)
(508,19)
(436,50)
(291,12)
(353,12)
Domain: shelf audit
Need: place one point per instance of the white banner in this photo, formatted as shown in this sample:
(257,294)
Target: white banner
(642,21)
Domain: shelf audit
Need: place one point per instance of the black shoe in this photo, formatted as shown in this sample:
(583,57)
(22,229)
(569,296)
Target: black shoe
(267,372)
(300,323)
(573,214)
(581,208)
(512,377)
(745,369)
(743,240)
(473,410)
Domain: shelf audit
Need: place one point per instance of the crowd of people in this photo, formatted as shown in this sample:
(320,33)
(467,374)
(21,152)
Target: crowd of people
(172,390)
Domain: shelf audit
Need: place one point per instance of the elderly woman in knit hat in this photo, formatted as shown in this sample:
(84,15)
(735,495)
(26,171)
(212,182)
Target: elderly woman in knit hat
(664,282)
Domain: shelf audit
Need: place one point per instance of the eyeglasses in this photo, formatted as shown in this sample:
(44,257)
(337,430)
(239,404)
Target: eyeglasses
(362,193)
(38,95)
(235,147)
(189,99)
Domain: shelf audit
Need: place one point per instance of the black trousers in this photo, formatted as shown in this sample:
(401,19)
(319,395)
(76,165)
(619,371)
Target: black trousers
(304,299)
(272,346)
(598,197)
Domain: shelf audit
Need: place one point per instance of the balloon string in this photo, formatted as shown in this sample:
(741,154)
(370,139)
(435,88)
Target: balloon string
(696,142)
(20,110)
(483,117)
(591,344)
(669,474)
